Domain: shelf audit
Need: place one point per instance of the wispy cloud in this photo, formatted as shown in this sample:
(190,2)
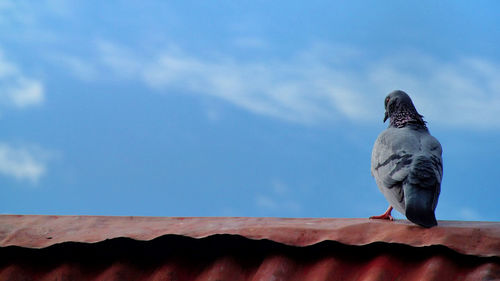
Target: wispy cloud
(78,67)
(324,83)
(271,205)
(465,92)
(26,21)
(302,90)
(15,12)
(250,43)
(23,163)
(278,201)
(121,60)
(28,13)
(319,83)
(16,89)
(469,214)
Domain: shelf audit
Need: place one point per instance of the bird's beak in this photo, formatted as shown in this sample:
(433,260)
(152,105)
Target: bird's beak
(386,116)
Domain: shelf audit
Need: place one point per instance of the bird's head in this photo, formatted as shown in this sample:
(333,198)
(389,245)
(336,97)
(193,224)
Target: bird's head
(399,106)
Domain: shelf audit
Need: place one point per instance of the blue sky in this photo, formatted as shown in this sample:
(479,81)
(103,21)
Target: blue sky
(239,108)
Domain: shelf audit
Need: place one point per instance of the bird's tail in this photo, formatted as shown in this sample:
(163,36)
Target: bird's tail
(421,191)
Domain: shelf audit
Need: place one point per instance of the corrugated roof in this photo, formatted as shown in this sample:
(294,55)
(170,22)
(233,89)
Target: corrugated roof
(216,248)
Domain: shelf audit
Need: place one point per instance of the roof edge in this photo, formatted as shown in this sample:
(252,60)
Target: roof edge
(37,231)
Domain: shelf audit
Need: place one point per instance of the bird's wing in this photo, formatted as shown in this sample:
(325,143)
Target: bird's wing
(432,149)
(432,167)
(392,156)
(423,184)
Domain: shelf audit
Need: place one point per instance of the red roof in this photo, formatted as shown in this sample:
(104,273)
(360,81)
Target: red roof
(218,248)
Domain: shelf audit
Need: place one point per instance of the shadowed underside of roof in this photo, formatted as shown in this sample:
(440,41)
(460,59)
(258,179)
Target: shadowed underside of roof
(68,248)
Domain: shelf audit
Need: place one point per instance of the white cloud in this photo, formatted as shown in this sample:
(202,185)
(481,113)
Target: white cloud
(250,43)
(279,187)
(15,13)
(23,14)
(27,92)
(16,89)
(300,91)
(325,84)
(469,214)
(280,200)
(266,202)
(121,60)
(23,163)
(465,92)
(80,68)
(281,205)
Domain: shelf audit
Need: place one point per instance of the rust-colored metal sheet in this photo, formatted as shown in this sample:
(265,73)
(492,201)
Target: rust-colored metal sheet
(156,248)
(33,231)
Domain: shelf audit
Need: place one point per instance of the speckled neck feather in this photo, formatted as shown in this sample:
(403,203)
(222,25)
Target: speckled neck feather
(404,116)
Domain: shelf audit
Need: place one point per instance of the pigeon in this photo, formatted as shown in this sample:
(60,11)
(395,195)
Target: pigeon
(406,163)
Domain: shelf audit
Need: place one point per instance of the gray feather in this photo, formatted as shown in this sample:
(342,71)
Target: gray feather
(407,166)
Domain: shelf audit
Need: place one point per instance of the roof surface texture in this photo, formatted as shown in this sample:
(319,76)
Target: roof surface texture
(160,248)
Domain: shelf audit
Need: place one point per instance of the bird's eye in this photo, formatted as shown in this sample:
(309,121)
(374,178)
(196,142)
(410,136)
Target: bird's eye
(387,101)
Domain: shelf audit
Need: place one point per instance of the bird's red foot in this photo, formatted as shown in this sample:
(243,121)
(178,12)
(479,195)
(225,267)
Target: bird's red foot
(384,216)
